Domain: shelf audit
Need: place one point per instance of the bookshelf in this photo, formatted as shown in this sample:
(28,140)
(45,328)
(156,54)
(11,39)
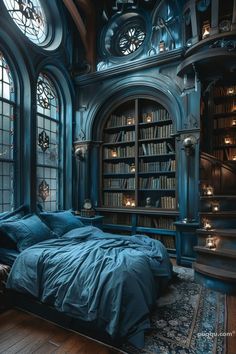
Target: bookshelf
(138,177)
(224,123)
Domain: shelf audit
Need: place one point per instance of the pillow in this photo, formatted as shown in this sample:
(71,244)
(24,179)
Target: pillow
(27,231)
(61,222)
(8,256)
(5,241)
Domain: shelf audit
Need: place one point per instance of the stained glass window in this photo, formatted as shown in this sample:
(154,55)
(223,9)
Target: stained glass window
(7,103)
(48,149)
(29,16)
(131,39)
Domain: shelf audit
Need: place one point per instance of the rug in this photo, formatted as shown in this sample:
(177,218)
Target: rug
(189,319)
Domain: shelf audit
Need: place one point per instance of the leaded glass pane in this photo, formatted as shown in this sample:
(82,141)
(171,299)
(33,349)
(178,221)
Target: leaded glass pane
(6,137)
(29,16)
(48,126)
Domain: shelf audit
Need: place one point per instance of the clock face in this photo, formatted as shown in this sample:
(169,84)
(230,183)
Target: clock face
(87,204)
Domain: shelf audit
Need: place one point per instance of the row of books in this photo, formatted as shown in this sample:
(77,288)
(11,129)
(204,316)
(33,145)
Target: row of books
(158,223)
(122,135)
(225,90)
(163,131)
(225,107)
(225,122)
(158,115)
(225,154)
(119,183)
(162,182)
(120,167)
(119,219)
(223,140)
(117,121)
(120,151)
(168,241)
(168,202)
(156,148)
(157,166)
(113,199)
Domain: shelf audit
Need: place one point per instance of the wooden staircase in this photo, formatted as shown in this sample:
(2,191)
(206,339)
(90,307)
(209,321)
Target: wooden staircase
(215,265)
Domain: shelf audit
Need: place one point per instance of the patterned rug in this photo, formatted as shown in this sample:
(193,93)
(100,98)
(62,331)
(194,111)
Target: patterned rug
(189,319)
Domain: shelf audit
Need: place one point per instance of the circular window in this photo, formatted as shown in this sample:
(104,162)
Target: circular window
(125,36)
(29,16)
(131,39)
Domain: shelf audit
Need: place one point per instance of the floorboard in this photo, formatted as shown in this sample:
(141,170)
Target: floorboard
(24,333)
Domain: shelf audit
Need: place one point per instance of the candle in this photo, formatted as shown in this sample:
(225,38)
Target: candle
(210,242)
(114,153)
(209,190)
(205,29)
(227,140)
(215,207)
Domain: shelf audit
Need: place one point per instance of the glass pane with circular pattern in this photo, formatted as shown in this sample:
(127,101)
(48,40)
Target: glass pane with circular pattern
(131,39)
(29,16)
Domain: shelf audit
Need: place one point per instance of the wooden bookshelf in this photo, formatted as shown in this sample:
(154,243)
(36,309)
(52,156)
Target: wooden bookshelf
(224,123)
(139,171)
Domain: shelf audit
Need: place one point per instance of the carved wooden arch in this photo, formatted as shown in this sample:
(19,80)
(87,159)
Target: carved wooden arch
(86,28)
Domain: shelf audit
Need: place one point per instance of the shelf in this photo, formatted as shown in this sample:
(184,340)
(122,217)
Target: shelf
(118,158)
(125,174)
(118,143)
(156,231)
(118,189)
(156,190)
(226,114)
(120,127)
(140,210)
(155,139)
(224,146)
(159,122)
(157,173)
(159,155)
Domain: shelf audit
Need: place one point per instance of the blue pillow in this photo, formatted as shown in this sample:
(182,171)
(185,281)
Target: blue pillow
(27,231)
(61,222)
(5,240)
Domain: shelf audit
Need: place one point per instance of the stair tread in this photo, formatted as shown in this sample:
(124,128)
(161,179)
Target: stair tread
(221,232)
(219,252)
(219,196)
(215,272)
(219,213)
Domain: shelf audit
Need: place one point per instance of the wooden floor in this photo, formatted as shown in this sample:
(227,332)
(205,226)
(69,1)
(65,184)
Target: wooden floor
(23,333)
(231,324)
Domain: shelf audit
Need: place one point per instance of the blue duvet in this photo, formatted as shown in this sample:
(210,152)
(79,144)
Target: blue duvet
(95,276)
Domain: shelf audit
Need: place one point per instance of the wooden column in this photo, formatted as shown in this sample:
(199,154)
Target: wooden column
(214,17)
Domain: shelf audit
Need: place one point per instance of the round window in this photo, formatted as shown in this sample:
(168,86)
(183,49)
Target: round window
(30,17)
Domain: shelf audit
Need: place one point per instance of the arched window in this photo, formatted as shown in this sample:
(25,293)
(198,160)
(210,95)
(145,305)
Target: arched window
(29,16)
(48,147)
(7,105)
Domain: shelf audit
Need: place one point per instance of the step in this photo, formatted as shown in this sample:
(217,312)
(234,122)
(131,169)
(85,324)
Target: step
(218,196)
(214,272)
(217,214)
(217,252)
(220,232)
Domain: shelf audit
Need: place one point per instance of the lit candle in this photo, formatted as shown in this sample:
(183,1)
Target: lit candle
(234,122)
(230,91)
(148,119)
(209,190)
(114,153)
(129,121)
(215,207)
(132,168)
(207,225)
(133,204)
(210,242)
(234,158)
(205,29)
(128,202)
(227,140)
(161,46)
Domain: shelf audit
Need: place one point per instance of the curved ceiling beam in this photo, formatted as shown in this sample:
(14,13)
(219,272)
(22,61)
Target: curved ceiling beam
(88,8)
(78,21)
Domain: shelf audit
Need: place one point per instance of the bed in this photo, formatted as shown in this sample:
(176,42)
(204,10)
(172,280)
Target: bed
(108,280)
